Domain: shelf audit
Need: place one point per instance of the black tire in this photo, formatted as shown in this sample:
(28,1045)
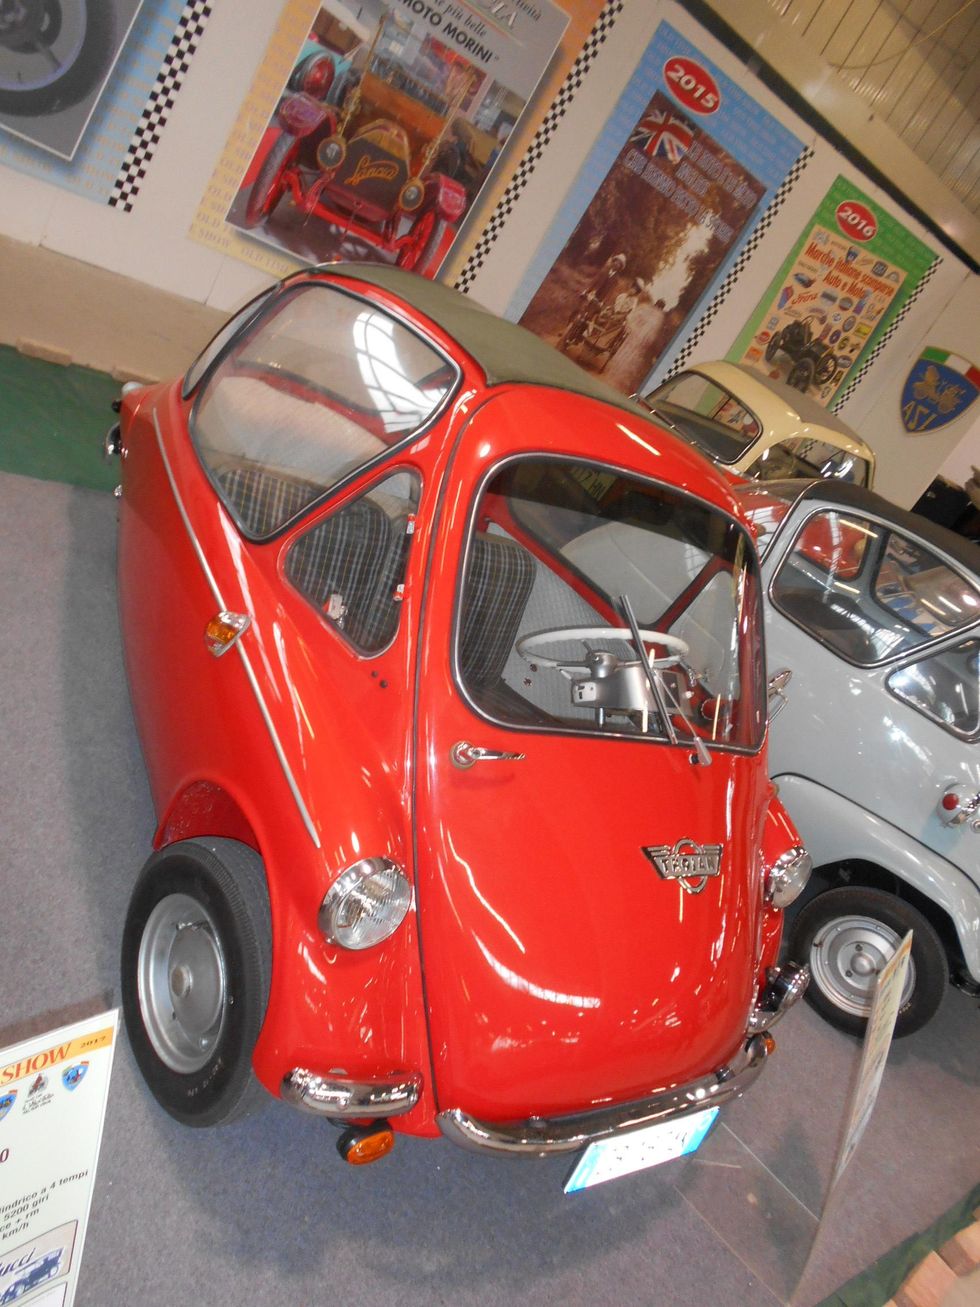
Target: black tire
(81,73)
(268,187)
(425,237)
(197,1060)
(825,369)
(772,345)
(841,925)
(801,375)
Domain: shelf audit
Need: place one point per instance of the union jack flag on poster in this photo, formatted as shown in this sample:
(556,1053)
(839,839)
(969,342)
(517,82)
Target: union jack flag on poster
(660,133)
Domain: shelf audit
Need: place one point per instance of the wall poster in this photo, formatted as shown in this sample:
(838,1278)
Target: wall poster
(53,1092)
(844,281)
(667,196)
(392,118)
(78,81)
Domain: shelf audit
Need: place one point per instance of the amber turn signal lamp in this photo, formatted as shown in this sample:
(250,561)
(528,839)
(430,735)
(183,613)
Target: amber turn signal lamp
(223,630)
(769,1042)
(358,1147)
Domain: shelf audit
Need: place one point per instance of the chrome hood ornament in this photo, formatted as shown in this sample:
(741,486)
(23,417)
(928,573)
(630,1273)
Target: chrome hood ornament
(689,863)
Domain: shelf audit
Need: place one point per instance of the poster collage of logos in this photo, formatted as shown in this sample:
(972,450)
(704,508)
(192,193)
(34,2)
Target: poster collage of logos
(371,131)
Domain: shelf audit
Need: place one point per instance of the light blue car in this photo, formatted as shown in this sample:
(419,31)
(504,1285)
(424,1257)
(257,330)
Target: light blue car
(873,645)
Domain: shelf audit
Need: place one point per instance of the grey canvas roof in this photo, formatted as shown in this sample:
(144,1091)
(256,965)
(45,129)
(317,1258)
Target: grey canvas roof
(505,351)
(846,495)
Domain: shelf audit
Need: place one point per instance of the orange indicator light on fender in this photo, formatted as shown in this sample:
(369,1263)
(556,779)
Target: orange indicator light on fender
(223,630)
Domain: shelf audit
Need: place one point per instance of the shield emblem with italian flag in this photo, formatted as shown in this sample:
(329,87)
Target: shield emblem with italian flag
(940,387)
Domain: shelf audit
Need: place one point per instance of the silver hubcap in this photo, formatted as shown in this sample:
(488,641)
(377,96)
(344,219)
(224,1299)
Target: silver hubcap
(182,983)
(846,958)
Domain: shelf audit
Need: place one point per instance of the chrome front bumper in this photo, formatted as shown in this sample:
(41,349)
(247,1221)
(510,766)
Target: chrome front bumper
(539,1137)
(345,1099)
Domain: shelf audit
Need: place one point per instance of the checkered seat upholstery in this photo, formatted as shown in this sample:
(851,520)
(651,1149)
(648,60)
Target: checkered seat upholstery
(343,561)
(263,501)
(499,576)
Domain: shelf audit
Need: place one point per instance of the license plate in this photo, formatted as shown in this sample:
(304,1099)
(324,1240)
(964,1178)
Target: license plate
(607,1159)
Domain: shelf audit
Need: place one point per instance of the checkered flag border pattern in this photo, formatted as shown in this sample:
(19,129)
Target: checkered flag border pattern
(566,94)
(886,336)
(190,26)
(744,255)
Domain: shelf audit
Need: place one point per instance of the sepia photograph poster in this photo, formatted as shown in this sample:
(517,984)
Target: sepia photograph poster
(662,205)
(844,281)
(392,118)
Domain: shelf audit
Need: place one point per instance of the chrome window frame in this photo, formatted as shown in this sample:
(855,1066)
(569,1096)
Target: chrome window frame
(683,742)
(948,643)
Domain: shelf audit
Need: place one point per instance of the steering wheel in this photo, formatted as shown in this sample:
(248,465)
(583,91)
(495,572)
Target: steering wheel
(528,645)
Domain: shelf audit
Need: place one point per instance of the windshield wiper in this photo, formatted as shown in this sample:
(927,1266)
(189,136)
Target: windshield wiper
(662,694)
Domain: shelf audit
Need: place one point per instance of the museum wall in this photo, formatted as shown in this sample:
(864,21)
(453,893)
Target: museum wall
(166,267)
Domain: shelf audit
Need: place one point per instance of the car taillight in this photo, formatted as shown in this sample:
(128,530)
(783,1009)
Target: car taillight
(318,77)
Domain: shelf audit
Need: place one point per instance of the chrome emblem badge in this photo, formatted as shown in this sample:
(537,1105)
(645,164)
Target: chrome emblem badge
(692,865)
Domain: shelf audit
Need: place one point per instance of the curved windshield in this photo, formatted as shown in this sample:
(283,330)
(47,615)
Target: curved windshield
(321,385)
(566,559)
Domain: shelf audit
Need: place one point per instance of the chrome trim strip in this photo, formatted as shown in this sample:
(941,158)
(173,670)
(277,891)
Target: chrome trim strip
(249,672)
(347,1099)
(540,1137)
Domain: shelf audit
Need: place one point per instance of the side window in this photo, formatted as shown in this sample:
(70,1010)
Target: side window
(868,592)
(709,416)
(802,456)
(351,564)
(944,687)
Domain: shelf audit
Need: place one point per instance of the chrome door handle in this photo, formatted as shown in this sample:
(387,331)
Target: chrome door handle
(777,691)
(463,754)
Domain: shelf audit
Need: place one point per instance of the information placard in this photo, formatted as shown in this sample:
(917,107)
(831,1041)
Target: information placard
(53,1091)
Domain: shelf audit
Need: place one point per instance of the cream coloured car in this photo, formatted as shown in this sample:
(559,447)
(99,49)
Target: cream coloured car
(757,428)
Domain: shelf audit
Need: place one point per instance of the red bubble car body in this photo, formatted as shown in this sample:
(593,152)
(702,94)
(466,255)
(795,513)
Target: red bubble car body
(447,664)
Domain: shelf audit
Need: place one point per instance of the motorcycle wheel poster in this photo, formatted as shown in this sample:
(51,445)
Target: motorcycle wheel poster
(669,193)
(844,281)
(389,124)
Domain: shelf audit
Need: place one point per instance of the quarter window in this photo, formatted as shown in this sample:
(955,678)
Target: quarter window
(351,564)
(710,417)
(944,687)
(869,592)
(802,456)
(319,387)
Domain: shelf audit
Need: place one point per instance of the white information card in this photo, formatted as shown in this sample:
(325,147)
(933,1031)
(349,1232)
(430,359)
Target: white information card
(53,1091)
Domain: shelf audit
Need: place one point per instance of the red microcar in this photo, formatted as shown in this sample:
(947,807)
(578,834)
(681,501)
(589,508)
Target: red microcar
(447,664)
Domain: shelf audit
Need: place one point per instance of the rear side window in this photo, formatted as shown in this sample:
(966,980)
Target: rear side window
(710,417)
(351,564)
(320,386)
(800,456)
(869,592)
(945,687)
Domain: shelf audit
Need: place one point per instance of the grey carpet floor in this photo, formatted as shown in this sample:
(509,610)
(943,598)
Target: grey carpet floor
(264,1211)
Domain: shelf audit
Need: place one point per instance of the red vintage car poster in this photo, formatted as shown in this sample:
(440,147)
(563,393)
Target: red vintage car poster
(391,119)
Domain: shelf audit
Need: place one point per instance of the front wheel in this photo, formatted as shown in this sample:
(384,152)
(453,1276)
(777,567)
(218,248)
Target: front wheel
(268,187)
(847,935)
(196,968)
(772,345)
(421,244)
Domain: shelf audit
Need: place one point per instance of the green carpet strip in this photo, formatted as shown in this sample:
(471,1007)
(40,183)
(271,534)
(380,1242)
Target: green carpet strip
(883,1280)
(53,420)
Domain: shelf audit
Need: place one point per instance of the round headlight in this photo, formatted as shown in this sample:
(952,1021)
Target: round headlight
(365,904)
(788,877)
